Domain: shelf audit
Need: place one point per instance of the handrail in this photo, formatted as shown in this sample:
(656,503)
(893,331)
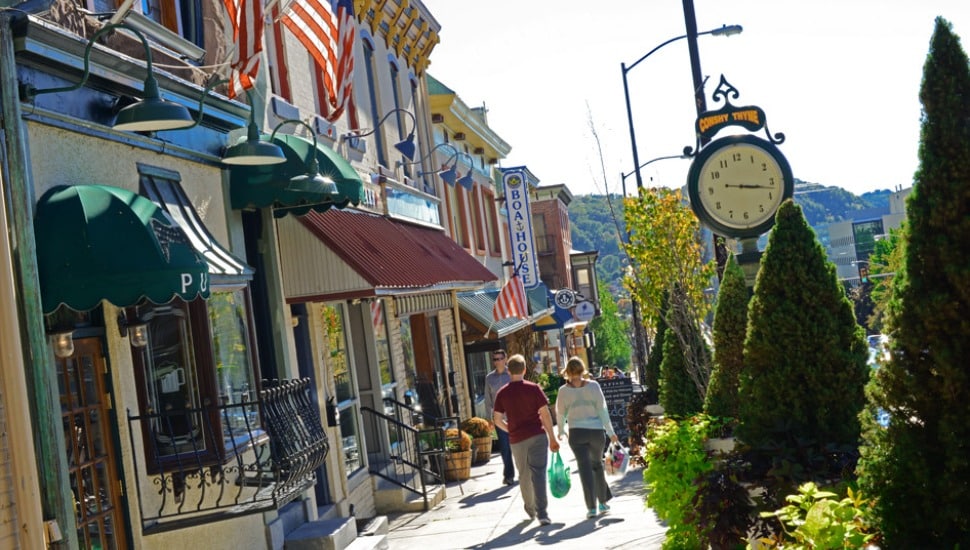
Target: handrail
(409,456)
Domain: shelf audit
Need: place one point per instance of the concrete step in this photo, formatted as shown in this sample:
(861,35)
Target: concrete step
(372,536)
(375,542)
(323,534)
(390,497)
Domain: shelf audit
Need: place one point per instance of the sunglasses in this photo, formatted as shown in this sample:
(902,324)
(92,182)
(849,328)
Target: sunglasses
(498,357)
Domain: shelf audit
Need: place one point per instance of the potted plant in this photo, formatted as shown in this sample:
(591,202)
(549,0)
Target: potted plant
(481,432)
(458,455)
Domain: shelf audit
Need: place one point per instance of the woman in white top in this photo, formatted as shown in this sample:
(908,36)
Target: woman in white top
(581,404)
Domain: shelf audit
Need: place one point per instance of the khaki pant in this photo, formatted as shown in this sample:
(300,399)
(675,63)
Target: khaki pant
(531,460)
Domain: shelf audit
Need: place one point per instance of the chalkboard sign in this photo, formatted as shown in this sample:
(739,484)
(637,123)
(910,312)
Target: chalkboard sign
(618,393)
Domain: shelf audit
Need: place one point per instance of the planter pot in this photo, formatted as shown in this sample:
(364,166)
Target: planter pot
(458,465)
(654,410)
(483,449)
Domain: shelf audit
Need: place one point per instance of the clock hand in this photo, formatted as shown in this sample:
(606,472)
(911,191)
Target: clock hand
(748,186)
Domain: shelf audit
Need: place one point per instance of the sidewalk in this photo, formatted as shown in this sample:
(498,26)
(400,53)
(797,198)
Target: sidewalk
(482,513)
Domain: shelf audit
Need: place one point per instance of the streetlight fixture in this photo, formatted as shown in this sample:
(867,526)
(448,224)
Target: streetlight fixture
(724,30)
(623,177)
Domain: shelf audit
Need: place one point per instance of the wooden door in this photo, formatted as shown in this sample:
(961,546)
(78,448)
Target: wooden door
(89,441)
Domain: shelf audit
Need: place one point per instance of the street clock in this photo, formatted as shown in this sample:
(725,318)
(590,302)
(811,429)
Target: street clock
(737,183)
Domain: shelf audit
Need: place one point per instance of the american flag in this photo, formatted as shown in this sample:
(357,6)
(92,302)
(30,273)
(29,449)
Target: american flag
(330,39)
(511,301)
(377,315)
(246,17)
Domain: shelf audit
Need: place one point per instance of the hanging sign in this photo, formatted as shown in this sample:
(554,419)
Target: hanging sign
(516,190)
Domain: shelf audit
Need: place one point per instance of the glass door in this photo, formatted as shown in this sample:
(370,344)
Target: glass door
(91,455)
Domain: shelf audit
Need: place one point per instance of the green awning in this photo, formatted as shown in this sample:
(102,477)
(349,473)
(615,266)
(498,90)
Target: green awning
(96,242)
(265,186)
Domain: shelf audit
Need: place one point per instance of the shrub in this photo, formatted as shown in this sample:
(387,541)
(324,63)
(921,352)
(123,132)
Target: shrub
(477,427)
(678,392)
(917,467)
(804,355)
(730,327)
(675,459)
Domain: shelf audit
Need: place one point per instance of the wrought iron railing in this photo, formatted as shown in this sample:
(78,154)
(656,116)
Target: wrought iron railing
(237,459)
(411,454)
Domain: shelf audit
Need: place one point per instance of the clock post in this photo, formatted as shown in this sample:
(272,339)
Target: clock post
(736,183)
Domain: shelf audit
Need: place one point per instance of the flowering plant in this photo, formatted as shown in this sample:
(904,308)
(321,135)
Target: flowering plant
(457,440)
(477,427)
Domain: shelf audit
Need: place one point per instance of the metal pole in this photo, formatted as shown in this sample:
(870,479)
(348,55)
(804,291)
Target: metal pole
(690,20)
(633,136)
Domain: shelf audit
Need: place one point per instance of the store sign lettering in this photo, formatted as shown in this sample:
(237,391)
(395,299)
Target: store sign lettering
(520,227)
(188,281)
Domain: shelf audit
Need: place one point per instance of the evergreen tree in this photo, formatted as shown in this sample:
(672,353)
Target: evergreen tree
(730,327)
(918,466)
(612,333)
(651,371)
(678,395)
(805,356)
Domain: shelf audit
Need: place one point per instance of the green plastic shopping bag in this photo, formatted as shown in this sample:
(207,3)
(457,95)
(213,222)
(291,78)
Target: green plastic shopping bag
(559,477)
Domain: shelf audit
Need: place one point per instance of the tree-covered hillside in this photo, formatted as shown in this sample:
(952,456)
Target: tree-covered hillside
(594,228)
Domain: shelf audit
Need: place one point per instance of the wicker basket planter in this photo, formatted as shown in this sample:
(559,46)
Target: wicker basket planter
(483,449)
(458,465)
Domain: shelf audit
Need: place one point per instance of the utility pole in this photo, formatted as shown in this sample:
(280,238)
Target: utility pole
(700,102)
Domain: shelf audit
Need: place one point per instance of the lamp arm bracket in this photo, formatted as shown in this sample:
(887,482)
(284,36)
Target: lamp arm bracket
(27,91)
(364,132)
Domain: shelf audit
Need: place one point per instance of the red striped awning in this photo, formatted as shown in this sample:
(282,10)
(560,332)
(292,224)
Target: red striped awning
(394,255)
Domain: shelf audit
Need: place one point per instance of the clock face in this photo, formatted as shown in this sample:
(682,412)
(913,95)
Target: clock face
(737,183)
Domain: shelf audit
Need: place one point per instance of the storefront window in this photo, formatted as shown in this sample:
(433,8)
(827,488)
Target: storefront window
(232,353)
(383,346)
(407,342)
(479,364)
(343,377)
(170,384)
(196,379)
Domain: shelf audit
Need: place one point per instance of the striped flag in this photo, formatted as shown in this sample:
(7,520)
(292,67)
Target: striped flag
(246,17)
(377,315)
(511,301)
(329,38)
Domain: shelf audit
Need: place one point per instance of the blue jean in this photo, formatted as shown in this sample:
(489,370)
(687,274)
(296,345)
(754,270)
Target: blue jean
(505,449)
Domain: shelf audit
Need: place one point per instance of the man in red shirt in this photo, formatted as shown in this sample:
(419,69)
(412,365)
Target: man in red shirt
(522,409)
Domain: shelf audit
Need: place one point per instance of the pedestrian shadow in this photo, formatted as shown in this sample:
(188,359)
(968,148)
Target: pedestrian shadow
(553,533)
(496,494)
(513,537)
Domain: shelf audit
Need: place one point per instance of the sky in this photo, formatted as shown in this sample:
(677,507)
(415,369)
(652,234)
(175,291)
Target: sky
(839,78)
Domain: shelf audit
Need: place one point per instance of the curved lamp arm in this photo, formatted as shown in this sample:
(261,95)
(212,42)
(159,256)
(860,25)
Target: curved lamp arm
(427,156)
(405,147)
(150,114)
(28,91)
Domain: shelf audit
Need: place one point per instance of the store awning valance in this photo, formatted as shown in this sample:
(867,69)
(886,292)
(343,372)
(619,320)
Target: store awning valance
(96,242)
(266,186)
(344,252)
(162,187)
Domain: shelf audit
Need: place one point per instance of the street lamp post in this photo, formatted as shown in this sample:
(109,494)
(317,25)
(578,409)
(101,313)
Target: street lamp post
(639,337)
(725,30)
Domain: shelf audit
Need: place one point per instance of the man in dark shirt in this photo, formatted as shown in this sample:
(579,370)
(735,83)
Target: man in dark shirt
(522,409)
